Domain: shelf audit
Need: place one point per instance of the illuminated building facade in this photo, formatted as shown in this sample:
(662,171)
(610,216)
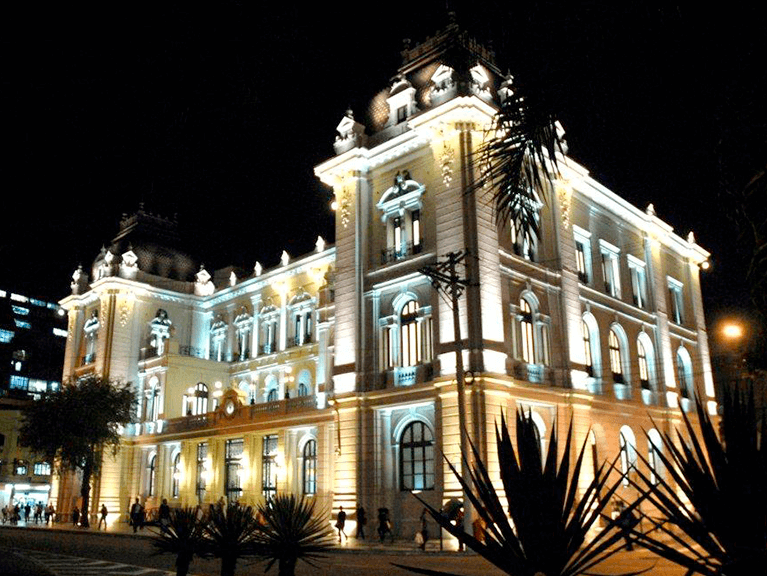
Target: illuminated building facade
(32,342)
(333,374)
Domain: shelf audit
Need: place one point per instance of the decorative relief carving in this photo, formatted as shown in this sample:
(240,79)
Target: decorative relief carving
(565,194)
(344,202)
(126,307)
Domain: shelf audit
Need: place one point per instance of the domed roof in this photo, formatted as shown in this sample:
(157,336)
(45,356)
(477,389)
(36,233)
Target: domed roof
(155,241)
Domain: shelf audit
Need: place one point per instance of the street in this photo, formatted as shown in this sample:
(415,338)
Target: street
(66,553)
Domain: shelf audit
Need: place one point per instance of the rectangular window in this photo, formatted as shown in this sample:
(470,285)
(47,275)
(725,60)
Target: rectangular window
(233,469)
(42,469)
(611,268)
(19,383)
(638,281)
(269,467)
(416,221)
(5,336)
(582,253)
(676,301)
(202,472)
(20,310)
(22,324)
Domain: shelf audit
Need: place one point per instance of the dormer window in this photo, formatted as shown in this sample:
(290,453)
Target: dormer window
(91,331)
(217,338)
(401,100)
(244,324)
(400,208)
(159,330)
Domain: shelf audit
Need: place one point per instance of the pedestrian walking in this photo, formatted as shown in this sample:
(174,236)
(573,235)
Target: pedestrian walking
(27,512)
(384,524)
(341,523)
(424,529)
(135,515)
(50,514)
(103,518)
(75,515)
(361,522)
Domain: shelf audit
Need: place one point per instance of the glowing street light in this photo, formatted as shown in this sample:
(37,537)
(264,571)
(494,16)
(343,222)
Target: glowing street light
(732,331)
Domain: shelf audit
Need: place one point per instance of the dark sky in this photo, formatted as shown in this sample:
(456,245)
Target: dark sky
(220,115)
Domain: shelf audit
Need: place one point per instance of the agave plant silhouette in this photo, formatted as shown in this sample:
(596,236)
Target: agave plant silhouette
(715,522)
(230,534)
(291,532)
(549,527)
(184,536)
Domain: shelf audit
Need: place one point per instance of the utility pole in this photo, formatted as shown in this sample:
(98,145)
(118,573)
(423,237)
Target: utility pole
(444,278)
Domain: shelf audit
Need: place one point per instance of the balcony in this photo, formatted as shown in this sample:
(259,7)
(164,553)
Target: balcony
(246,412)
(300,341)
(405,251)
(191,352)
(268,348)
(408,375)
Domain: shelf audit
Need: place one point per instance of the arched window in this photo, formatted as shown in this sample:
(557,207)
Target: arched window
(416,457)
(684,374)
(271,396)
(153,400)
(533,333)
(304,383)
(200,400)
(151,471)
(628,448)
(644,372)
(594,453)
(654,448)
(310,467)
(528,333)
(175,471)
(616,346)
(587,347)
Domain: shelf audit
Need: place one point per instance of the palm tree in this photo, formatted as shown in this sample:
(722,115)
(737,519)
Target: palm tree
(291,532)
(549,523)
(184,536)
(230,534)
(518,160)
(715,523)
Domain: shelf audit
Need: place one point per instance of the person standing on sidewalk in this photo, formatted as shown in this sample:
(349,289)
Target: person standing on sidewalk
(164,515)
(75,515)
(135,515)
(103,518)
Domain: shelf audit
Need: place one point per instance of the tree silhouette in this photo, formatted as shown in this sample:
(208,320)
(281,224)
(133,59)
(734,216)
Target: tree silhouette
(75,426)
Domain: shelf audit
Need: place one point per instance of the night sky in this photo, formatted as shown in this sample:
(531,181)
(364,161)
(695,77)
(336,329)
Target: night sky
(219,116)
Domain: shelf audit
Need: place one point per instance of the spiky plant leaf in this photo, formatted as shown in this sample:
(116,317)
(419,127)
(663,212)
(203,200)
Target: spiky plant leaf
(549,523)
(720,504)
(230,534)
(291,532)
(518,162)
(184,536)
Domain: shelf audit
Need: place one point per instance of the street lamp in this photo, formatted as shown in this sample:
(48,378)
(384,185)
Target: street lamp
(732,331)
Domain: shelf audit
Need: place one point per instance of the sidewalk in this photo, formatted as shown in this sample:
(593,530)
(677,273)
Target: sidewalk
(352,545)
